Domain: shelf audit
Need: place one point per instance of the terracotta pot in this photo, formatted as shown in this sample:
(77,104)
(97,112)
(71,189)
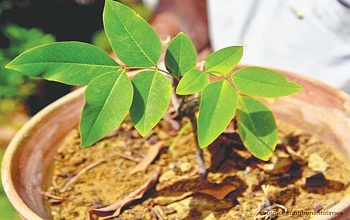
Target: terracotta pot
(318,109)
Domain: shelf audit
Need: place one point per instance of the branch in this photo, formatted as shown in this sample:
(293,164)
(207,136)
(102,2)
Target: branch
(190,113)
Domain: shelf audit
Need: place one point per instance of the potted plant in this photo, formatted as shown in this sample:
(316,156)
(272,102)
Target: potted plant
(210,105)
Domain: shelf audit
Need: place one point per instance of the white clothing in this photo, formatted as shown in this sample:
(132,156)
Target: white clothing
(316,44)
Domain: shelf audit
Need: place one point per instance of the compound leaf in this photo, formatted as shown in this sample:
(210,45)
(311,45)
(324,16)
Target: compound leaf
(261,82)
(107,101)
(223,61)
(152,94)
(180,56)
(217,106)
(71,63)
(257,128)
(192,82)
(133,40)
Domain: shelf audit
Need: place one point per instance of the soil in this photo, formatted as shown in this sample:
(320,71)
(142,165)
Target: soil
(304,175)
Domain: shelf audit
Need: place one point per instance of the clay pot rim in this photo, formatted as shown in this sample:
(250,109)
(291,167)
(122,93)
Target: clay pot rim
(7,163)
(11,149)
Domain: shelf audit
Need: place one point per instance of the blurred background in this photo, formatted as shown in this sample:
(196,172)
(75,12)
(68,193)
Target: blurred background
(28,23)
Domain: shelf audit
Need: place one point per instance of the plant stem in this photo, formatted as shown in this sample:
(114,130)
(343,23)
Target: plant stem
(190,113)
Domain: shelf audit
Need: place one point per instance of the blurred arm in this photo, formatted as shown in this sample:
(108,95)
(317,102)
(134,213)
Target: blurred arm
(188,16)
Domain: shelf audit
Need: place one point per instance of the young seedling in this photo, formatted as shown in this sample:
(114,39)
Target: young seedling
(111,95)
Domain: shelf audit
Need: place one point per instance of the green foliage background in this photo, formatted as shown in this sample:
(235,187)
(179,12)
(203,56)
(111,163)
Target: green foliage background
(13,84)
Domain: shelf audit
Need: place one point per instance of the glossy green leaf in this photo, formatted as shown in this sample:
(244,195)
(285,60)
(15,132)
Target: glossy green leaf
(152,94)
(71,63)
(107,101)
(192,82)
(180,56)
(223,61)
(261,82)
(133,40)
(257,128)
(217,106)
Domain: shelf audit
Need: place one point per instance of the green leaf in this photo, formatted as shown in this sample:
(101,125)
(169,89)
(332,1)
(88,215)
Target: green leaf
(71,63)
(218,104)
(107,101)
(180,56)
(152,94)
(261,82)
(192,82)
(133,40)
(257,128)
(223,61)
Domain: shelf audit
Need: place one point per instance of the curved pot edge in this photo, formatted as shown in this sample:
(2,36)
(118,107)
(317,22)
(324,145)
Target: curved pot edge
(11,149)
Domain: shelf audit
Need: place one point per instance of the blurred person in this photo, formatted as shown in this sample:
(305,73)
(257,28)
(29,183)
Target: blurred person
(308,37)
